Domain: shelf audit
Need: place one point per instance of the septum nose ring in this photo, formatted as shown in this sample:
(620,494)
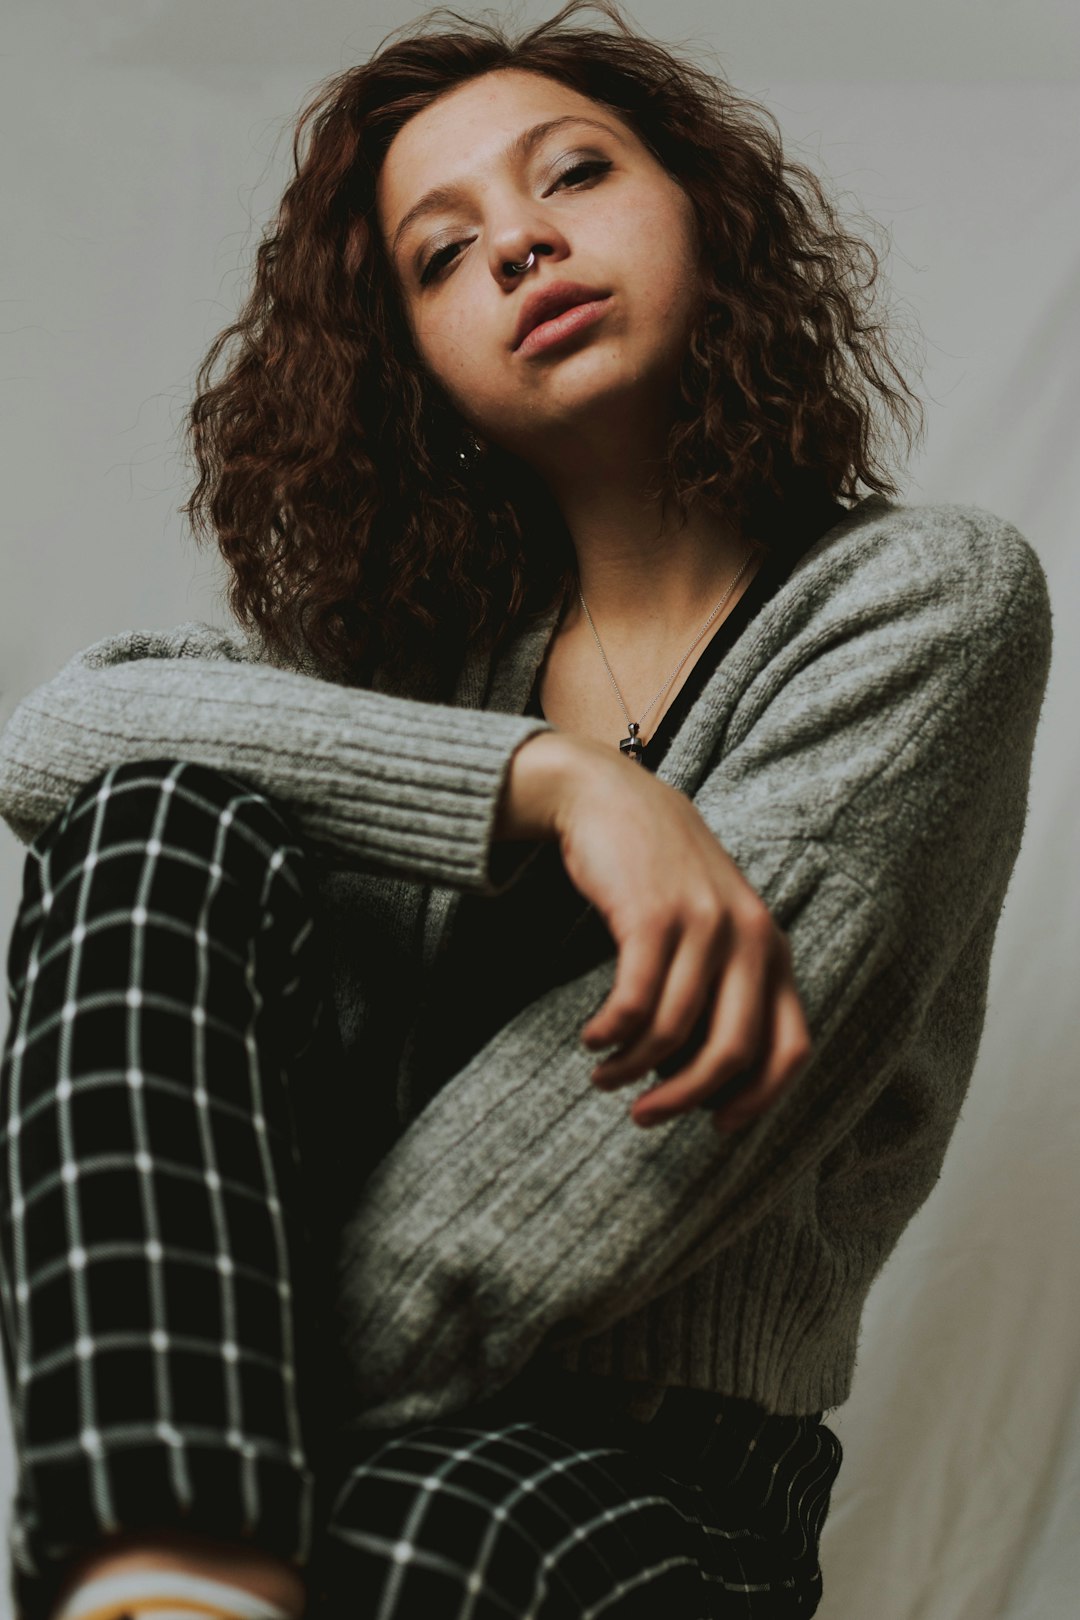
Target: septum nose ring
(519,269)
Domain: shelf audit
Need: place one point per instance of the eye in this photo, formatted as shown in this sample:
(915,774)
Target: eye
(588,167)
(585,169)
(440,257)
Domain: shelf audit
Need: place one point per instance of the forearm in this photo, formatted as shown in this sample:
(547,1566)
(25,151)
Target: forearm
(375,781)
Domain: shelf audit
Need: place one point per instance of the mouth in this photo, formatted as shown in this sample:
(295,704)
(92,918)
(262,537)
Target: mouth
(551,334)
(562,308)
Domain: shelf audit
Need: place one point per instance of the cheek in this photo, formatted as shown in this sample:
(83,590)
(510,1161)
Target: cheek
(668,298)
(444,342)
(663,250)
(451,348)
(681,239)
(684,284)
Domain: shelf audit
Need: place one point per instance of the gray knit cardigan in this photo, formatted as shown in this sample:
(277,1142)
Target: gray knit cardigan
(863,753)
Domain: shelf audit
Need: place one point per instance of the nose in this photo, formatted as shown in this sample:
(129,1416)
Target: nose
(519,269)
(516,253)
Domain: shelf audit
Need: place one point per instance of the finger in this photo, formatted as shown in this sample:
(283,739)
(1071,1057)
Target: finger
(786,1051)
(791,1051)
(687,996)
(639,976)
(734,1041)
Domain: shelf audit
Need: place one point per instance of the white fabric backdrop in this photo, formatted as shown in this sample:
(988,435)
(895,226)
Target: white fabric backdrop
(140,163)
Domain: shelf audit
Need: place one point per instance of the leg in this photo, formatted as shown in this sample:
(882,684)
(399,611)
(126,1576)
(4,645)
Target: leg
(528,1509)
(162,1299)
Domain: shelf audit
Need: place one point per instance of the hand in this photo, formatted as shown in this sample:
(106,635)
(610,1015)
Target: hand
(699,955)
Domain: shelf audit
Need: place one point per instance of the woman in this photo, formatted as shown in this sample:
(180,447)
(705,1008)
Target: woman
(331,1285)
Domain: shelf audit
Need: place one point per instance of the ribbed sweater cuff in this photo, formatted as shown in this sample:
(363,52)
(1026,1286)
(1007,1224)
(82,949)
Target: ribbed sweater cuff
(379,782)
(427,807)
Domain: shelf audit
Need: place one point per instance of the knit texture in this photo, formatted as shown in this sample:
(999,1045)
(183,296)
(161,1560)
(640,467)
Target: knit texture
(383,782)
(863,753)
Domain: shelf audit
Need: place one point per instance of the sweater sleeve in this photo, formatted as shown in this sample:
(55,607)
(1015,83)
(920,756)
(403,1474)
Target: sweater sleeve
(378,782)
(874,794)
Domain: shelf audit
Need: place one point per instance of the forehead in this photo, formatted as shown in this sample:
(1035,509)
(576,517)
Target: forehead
(461,132)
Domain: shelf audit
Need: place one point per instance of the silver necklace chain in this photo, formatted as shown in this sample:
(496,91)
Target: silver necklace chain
(635,726)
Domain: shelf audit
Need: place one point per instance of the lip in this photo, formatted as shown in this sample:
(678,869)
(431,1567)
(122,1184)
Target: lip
(548,302)
(560,328)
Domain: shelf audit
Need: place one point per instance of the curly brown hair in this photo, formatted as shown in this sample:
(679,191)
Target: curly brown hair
(357,525)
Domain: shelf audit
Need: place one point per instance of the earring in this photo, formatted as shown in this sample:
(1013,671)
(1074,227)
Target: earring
(470,452)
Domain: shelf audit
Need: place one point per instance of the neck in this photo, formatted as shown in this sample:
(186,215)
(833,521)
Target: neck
(644,569)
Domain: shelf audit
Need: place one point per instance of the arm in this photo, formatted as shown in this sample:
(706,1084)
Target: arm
(874,795)
(378,782)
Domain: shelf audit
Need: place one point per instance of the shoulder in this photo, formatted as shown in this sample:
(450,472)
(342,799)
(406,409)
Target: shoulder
(903,622)
(956,566)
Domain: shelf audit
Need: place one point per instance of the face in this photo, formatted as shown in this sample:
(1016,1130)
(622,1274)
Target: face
(471,185)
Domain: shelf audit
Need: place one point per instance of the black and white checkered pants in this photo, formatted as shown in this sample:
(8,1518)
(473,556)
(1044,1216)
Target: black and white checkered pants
(171,1114)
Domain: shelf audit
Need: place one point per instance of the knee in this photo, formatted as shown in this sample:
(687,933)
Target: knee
(135,787)
(538,1524)
(177,806)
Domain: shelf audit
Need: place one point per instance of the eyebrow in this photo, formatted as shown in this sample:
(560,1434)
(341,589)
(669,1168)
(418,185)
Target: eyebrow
(515,151)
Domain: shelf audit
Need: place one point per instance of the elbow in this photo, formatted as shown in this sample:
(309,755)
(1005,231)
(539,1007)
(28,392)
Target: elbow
(28,794)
